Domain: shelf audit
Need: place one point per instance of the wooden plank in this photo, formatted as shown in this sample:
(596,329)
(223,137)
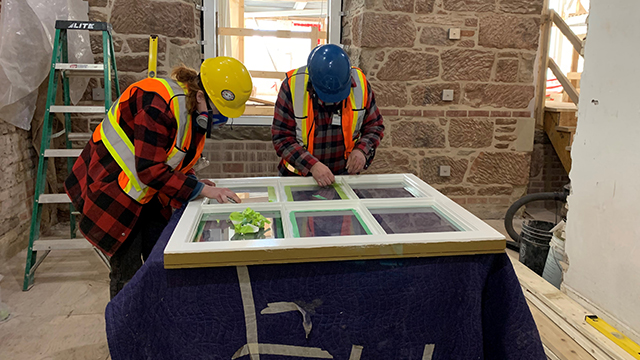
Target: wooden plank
(574,76)
(268,74)
(541,87)
(566,84)
(556,340)
(314,37)
(261,101)
(559,140)
(568,33)
(259,110)
(567,314)
(241,24)
(285,34)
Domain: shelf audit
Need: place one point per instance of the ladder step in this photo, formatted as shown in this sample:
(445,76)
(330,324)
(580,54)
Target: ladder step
(61,244)
(567,129)
(54,199)
(62,152)
(77,109)
(80,136)
(82,70)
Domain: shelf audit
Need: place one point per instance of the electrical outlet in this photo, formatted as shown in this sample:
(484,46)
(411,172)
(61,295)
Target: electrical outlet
(445,170)
(447,95)
(98,94)
(454,34)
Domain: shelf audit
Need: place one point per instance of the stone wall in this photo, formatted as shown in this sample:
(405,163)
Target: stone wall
(18,161)
(176,22)
(486,133)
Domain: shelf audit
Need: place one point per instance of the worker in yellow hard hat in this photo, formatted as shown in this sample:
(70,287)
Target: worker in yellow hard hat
(139,161)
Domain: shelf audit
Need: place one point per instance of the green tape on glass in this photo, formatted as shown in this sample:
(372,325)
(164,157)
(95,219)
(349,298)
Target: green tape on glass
(272,194)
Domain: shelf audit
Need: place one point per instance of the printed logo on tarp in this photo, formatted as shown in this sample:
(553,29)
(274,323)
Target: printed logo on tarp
(80,25)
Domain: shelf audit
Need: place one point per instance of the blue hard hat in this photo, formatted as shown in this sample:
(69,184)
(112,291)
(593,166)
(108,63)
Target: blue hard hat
(330,73)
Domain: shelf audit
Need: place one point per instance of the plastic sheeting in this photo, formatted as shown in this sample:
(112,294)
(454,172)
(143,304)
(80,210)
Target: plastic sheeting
(27,30)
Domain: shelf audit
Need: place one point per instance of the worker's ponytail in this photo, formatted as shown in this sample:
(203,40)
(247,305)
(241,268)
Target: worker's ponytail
(188,77)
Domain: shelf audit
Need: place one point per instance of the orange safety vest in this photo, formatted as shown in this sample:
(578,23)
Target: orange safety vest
(352,114)
(122,149)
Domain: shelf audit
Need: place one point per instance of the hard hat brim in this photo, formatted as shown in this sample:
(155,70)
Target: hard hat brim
(332,98)
(229,112)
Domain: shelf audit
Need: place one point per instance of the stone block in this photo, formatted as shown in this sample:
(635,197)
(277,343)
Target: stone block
(470,133)
(424,6)
(398,5)
(526,68)
(472,22)
(142,44)
(375,30)
(500,168)
(392,94)
(430,169)
(507,70)
(456,190)
(188,55)
(431,94)
(467,65)
(467,43)
(418,134)
(96,43)
(521,6)
(507,96)
(128,79)
(132,63)
(495,190)
(173,19)
(261,133)
(97,15)
(97,3)
(391,162)
(435,36)
(403,65)
(509,32)
(469,5)
(510,137)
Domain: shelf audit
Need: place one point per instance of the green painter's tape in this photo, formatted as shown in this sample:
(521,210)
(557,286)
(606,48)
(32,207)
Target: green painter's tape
(338,188)
(272,194)
(287,190)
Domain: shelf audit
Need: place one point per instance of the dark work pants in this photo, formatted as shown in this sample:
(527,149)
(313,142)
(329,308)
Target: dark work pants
(136,249)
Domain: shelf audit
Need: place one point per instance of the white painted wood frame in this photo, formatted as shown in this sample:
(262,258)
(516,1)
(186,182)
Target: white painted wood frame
(473,236)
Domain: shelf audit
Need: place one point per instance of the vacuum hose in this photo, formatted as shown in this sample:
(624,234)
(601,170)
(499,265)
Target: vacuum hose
(513,209)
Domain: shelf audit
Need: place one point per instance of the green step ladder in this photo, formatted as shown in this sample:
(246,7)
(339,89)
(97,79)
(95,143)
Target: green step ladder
(63,70)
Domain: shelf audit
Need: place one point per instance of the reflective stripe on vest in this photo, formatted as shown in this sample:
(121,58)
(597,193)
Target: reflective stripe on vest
(123,151)
(352,111)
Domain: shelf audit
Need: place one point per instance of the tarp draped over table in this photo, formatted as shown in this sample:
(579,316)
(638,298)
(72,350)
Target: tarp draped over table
(458,307)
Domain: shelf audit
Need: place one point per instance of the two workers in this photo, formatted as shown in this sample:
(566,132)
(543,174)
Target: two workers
(139,163)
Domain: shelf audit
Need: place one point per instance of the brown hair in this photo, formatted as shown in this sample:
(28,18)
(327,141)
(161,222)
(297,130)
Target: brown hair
(188,77)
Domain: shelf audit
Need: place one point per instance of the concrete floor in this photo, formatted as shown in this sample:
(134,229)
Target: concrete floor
(62,316)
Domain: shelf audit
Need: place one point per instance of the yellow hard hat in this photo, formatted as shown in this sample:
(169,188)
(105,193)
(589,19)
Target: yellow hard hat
(228,84)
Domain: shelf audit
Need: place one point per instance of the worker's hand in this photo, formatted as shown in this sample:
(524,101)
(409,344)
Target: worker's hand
(322,174)
(219,194)
(356,161)
(208,182)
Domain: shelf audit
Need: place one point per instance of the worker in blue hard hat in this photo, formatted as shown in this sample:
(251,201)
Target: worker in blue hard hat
(326,121)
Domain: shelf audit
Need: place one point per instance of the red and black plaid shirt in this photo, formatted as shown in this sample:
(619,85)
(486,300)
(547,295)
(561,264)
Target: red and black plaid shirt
(328,144)
(107,213)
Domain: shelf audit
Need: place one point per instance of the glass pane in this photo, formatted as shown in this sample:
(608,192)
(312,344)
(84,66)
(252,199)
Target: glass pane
(327,223)
(379,191)
(412,220)
(218,227)
(314,192)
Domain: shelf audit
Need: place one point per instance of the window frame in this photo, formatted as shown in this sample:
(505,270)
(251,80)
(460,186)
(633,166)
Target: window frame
(334,31)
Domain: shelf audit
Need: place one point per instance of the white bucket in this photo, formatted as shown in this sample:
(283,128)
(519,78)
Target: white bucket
(552,269)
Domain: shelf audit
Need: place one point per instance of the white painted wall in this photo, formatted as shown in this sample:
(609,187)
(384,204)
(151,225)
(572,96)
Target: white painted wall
(603,230)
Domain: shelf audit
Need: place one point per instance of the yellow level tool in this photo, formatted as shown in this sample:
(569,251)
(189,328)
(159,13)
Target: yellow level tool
(614,335)
(153,56)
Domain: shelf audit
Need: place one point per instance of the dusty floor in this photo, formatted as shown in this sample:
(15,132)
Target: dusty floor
(64,311)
